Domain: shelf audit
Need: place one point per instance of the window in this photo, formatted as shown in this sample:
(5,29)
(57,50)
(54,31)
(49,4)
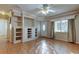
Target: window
(43,27)
(61,26)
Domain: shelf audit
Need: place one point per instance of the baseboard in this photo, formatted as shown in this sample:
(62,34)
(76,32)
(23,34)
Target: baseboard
(61,40)
(77,42)
(29,40)
(18,41)
(46,37)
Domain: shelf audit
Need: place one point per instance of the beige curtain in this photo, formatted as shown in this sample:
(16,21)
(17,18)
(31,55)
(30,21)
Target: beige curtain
(71,31)
(52,30)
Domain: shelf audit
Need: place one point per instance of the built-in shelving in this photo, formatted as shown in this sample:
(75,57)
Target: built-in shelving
(29,33)
(24,28)
(35,32)
(18,32)
(19,28)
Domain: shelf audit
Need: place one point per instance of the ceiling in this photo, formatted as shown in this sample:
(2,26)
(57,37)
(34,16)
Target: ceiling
(58,8)
(7,7)
(35,8)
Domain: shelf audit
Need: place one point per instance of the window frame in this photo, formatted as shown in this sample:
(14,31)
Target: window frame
(44,27)
(61,27)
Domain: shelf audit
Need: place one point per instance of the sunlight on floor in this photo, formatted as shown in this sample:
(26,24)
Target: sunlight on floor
(44,48)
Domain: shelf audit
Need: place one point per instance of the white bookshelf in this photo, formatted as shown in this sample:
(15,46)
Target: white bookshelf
(17,24)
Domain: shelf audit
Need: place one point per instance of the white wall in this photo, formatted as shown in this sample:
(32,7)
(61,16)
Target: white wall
(37,25)
(61,36)
(77,29)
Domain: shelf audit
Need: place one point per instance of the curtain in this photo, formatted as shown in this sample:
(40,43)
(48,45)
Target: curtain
(71,31)
(52,30)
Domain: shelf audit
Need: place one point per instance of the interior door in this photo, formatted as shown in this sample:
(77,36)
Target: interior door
(44,29)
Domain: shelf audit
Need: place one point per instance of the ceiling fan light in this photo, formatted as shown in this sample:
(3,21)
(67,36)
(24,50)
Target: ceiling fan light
(43,12)
(51,11)
(46,10)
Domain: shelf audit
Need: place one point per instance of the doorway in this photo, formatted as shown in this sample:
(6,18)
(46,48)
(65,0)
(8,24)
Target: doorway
(3,29)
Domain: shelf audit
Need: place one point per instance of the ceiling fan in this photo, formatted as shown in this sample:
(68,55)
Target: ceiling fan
(46,9)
